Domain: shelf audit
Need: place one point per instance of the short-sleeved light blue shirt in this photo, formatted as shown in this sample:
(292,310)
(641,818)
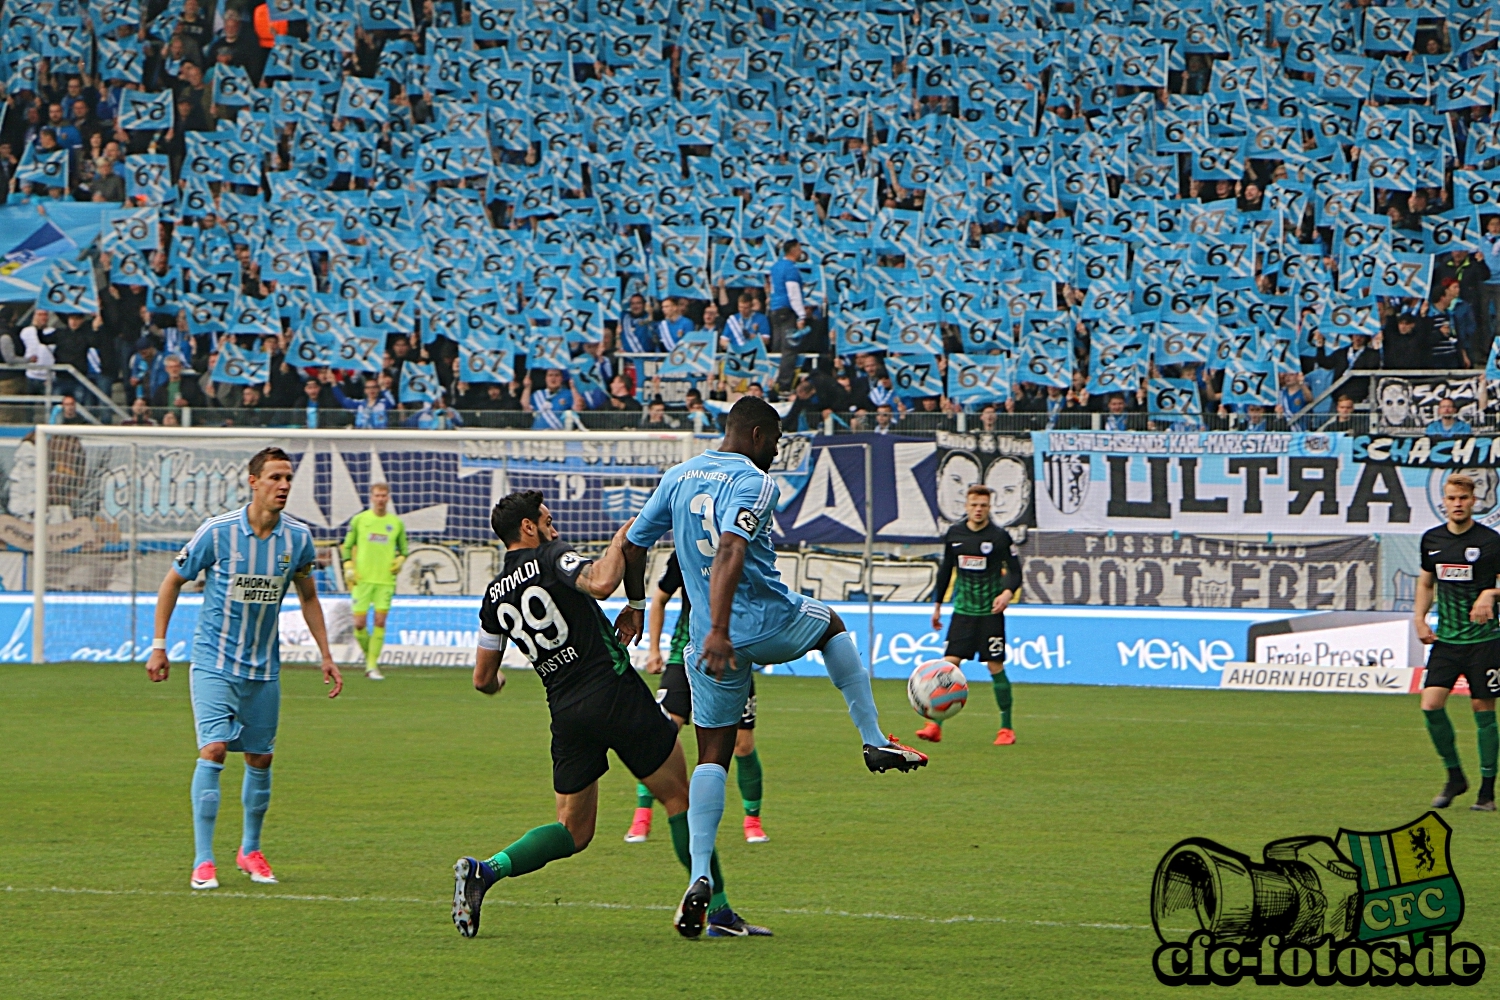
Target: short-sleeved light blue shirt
(698,501)
(237,630)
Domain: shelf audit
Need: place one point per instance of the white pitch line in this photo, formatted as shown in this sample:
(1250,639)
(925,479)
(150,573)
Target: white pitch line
(418,901)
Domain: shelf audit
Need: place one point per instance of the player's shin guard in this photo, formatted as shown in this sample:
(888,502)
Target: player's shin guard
(1489,743)
(255,796)
(848,675)
(1003,699)
(205,809)
(747,770)
(680,839)
(363,638)
(1441,730)
(705,809)
(377,643)
(536,848)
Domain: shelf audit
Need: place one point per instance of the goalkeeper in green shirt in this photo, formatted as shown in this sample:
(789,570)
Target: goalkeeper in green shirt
(373,550)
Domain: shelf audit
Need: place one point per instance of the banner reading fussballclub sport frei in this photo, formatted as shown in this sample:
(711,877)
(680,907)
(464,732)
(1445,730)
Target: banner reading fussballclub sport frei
(1240,483)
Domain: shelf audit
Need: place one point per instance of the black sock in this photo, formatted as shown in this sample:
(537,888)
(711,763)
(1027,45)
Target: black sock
(1487,789)
(1456,776)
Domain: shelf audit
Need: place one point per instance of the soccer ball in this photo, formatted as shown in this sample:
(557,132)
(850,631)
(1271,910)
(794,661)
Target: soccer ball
(937,690)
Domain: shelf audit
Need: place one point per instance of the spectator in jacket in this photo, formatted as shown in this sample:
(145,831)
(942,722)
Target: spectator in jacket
(37,341)
(1406,342)
(177,390)
(370,413)
(1358,356)
(1454,328)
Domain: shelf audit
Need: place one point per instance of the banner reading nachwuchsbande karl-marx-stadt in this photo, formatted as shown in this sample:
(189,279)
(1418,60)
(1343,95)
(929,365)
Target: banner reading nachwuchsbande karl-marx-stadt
(1241,483)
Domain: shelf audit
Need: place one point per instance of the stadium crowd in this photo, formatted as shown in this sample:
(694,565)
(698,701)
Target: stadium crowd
(878,215)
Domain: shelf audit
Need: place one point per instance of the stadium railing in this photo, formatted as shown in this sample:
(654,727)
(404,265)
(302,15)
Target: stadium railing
(90,399)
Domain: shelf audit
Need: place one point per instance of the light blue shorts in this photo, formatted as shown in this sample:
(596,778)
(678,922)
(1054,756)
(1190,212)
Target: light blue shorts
(719,703)
(232,710)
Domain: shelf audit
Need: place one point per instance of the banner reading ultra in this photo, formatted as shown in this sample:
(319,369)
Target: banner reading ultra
(1242,483)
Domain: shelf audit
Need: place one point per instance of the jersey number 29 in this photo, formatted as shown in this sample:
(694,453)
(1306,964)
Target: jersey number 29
(528,628)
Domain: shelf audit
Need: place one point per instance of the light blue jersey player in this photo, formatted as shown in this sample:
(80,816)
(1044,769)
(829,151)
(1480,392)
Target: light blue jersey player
(251,556)
(718,507)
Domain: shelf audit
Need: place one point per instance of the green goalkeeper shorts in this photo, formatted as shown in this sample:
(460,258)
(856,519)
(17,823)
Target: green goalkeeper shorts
(365,594)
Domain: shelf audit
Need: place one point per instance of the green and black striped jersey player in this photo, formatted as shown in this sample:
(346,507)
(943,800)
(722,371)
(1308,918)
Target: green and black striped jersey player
(1460,563)
(674,696)
(981,560)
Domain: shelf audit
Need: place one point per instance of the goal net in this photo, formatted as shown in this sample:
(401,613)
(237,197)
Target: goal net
(119,502)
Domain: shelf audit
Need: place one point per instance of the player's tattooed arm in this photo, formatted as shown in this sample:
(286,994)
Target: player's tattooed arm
(601,578)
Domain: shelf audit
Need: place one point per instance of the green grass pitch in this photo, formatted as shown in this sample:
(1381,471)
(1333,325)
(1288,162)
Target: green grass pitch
(1020,871)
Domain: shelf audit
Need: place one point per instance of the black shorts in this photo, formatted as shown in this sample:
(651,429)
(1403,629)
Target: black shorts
(981,636)
(622,717)
(1479,662)
(674,695)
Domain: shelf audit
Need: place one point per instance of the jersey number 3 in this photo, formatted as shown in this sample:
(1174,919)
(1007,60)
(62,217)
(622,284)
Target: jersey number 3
(529,629)
(703,504)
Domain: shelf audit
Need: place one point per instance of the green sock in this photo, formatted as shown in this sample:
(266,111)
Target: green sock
(1489,743)
(679,827)
(643,796)
(1441,731)
(536,847)
(363,638)
(749,774)
(377,643)
(1001,684)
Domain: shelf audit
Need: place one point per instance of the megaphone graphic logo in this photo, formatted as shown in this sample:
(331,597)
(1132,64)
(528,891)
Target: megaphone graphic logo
(1376,908)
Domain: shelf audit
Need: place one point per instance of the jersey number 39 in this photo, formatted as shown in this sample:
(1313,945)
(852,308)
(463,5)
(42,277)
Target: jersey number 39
(703,504)
(530,629)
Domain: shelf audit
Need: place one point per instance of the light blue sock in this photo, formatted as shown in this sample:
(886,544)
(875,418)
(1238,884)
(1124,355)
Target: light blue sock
(705,809)
(205,809)
(848,675)
(255,794)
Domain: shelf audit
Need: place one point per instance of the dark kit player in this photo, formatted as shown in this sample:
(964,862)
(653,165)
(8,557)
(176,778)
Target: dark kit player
(543,600)
(989,575)
(1460,561)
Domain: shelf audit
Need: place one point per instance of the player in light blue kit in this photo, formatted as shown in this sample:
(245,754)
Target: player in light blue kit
(252,555)
(718,507)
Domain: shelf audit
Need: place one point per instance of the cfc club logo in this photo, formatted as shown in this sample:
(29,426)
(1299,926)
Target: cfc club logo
(1375,909)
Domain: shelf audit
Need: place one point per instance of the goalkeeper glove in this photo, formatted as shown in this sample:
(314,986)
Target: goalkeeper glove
(396,564)
(350,577)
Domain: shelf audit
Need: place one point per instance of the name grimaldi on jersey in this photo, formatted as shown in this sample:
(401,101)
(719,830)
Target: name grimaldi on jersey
(528,570)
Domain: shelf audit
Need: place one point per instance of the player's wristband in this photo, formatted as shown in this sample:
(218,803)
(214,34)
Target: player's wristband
(637,605)
(158,644)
